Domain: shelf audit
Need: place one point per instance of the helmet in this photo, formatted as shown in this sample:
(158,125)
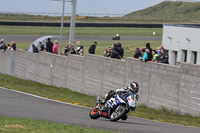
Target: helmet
(134,87)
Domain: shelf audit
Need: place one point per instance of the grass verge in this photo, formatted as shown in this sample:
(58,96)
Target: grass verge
(80,31)
(20,125)
(67,95)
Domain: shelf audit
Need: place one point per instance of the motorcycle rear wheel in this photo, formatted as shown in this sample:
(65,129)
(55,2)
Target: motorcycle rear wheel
(94,113)
(118,113)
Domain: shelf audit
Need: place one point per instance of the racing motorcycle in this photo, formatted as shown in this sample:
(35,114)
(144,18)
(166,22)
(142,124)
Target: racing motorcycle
(118,107)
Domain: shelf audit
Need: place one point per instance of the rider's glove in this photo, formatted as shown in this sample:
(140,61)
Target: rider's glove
(137,97)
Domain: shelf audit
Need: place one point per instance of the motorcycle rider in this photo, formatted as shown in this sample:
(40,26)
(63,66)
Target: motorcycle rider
(133,89)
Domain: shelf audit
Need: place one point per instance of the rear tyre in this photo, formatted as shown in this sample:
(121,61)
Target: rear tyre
(94,113)
(118,113)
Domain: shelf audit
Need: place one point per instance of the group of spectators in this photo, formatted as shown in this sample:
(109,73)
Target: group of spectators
(50,47)
(4,47)
(159,55)
(116,51)
(53,48)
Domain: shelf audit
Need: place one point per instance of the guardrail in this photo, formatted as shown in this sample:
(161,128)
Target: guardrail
(8,23)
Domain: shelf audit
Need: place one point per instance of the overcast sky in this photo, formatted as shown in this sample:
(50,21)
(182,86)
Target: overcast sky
(83,6)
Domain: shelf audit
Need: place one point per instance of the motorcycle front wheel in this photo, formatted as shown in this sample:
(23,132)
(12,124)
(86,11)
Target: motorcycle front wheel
(94,113)
(119,112)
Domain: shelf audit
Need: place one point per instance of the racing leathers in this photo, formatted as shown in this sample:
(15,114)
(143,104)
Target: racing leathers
(123,92)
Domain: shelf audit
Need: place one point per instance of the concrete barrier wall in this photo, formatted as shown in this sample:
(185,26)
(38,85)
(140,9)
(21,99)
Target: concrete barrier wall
(161,85)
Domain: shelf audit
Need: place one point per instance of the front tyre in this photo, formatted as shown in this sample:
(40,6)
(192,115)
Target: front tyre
(94,113)
(118,113)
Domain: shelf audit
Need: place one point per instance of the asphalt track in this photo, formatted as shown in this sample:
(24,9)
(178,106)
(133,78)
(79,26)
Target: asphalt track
(16,104)
(28,38)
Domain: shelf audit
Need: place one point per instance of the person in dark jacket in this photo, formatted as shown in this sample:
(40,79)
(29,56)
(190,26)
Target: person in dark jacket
(120,49)
(92,48)
(35,49)
(163,57)
(41,46)
(148,47)
(3,47)
(49,46)
(115,53)
(138,53)
(13,45)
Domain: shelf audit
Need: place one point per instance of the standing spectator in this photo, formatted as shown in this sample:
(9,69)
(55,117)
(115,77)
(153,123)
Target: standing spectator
(109,52)
(9,47)
(79,49)
(55,47)
(158,50)
(69,50)
(35,49)
(13,45)
(115,54)
(1,41)
(155,56)
(163,58)
(137,53)
(145,55)
(92,48)
(3,47)
(41,46)
(49,45)
(105,53)
(149,47)
(149,54)
(120,49)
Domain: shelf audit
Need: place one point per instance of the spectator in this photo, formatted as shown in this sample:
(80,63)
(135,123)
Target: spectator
(9,47)
(49,46)
(55,47)
(163,57)
(150,56)
(79,49)
(137,53)
(158,50)
(13,45)
(3,47)
(105,54)
(120,49)
(35,49)
(69,50)
(92,48)
(145,55)
(1,41)
(115,54)
(109,52)
(41,46)
(149,47)
(155,56)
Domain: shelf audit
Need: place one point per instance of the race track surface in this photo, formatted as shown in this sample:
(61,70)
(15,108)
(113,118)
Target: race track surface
(27,38)
(17,104)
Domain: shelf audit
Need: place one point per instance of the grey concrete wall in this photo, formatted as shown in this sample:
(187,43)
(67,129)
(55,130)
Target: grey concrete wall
(5,62)
(161,85)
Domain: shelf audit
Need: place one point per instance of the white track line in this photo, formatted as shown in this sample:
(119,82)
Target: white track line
(87,107)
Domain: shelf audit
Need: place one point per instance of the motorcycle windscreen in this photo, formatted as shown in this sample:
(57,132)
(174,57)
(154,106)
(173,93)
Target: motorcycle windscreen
(131,100)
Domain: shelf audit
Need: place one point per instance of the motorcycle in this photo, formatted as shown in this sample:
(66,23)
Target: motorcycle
(116,37)
(118,107)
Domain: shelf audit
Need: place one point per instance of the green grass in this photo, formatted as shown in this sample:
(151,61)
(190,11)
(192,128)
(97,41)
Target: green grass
(79,31)
(67,95)
(129,46)
(20,125)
